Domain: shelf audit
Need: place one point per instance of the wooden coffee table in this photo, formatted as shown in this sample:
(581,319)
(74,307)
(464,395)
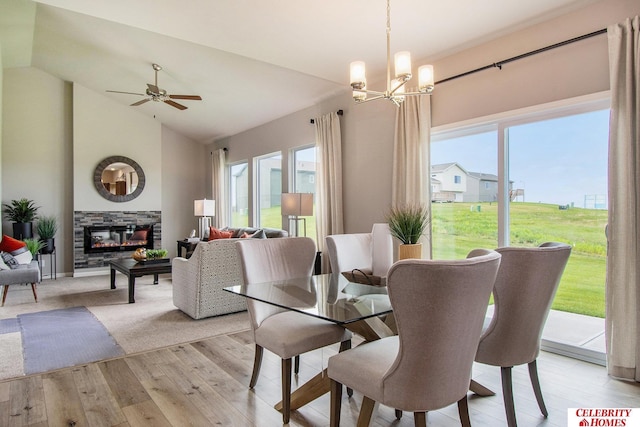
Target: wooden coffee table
(132,269)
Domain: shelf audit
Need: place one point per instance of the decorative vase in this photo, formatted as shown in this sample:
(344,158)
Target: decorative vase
(407,251)
(22,230)
(50,246)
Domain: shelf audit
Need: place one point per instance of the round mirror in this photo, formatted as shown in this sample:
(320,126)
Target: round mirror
(119,179)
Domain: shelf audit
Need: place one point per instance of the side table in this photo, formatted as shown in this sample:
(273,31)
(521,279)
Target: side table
(187,246)
(53,271)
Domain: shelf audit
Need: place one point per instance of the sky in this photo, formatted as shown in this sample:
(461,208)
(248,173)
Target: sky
(559,161)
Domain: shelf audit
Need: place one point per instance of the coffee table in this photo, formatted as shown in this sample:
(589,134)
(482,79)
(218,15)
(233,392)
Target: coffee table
(132,269)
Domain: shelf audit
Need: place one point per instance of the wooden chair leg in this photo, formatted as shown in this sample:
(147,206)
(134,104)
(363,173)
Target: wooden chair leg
(33,289)
(398,414)
(463,412)
(420,419)
(507,395)
(336,403)
(257,362)
(346,345)
(535,382)
(4,293)
(296,365)
(286,390)
(366,411)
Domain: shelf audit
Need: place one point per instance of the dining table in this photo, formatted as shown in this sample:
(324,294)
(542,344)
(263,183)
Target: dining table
(361,308)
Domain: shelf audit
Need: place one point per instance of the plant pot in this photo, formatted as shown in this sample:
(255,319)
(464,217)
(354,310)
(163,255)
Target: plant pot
(50,246)
(407,251)
(22,230)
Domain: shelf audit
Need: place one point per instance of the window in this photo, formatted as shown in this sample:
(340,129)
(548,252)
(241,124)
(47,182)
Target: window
(239,194)
(457,179)
(268,182)
(304,178)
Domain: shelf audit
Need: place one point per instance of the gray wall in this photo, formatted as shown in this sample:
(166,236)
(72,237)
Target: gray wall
(367,129)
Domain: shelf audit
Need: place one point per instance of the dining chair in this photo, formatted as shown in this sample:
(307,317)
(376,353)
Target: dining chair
(284,332)
(439,308)
(523,292)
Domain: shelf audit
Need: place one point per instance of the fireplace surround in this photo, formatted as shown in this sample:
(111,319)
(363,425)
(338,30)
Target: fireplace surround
(109,224)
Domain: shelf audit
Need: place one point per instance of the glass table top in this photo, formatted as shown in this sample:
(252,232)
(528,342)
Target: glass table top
(327,296)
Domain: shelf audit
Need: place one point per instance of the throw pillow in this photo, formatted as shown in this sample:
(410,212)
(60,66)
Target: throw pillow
(3,266)
(9,244)
(22,255)
(215,234)
(260,234)
(10,260)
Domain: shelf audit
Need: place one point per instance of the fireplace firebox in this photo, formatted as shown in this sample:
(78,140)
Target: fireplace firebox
(113,238)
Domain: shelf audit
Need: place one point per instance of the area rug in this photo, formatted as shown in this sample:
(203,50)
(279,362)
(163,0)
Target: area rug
(65,337)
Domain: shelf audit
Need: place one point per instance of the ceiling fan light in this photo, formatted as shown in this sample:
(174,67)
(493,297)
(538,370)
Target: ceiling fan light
(359,96)
(403,65)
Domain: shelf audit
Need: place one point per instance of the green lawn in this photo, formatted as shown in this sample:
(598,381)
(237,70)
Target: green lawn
(457,228)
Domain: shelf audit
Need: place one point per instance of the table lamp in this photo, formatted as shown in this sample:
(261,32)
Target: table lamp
(204,209)
(295,205)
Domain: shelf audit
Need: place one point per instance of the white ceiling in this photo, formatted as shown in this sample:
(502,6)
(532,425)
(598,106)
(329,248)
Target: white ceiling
(251,61)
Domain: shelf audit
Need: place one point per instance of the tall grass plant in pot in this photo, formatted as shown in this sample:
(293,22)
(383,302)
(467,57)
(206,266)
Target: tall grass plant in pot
(408,223)
(46,228)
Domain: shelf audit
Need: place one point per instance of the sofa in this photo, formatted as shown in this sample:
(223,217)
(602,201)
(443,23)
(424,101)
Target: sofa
(238,232)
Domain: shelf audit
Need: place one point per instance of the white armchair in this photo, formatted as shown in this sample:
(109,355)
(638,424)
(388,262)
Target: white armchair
(372,253)
(198,281)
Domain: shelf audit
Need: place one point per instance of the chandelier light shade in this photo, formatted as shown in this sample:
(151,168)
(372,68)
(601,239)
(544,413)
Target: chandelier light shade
(395,91)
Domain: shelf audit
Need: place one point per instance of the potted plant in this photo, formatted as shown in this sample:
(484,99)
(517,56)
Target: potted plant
(22,212)
(34,246)
(46,229)
(408,223)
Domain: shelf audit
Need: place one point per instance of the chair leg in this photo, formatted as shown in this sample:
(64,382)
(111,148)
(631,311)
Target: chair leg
(286,390)
(296,364)
(420,419)
(535,382)
(366,411)
(346,345)
(398,414)
(336,403)
(257,362)
(33,289)
(4,293)
(463,412)
(507,395)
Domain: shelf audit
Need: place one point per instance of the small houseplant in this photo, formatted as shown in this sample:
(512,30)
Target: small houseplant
(34,246)
(408,223)
(22,212)
(46,229)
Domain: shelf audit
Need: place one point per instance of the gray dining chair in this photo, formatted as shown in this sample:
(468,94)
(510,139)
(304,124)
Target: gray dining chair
(524,290)
(439,308)
(284,332)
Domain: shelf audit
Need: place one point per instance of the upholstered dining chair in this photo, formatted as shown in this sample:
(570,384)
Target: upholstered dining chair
(284,332)
(523,292)
(439,308)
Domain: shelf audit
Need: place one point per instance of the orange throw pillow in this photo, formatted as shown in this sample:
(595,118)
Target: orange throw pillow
(9,244)
(215,234)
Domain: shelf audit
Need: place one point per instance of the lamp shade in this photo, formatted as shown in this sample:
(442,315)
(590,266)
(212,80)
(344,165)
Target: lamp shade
(204,207)
(297,204)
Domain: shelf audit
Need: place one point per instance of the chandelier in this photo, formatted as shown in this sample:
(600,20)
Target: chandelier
(395,91)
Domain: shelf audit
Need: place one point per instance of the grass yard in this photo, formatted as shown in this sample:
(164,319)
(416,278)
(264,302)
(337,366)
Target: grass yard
(460,227)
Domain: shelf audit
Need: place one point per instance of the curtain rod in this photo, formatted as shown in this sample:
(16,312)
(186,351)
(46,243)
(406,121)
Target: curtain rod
(340,112)
(499,64)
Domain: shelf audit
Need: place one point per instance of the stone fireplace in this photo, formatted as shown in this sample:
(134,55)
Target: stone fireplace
(100,236)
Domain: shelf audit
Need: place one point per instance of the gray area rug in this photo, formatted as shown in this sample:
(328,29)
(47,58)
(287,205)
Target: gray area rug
(65,337)
(8,326)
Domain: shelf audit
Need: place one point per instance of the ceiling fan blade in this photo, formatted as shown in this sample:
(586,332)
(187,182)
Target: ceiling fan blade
(135,104)
(153,88)
(191,97)
(128,93)
(175,104)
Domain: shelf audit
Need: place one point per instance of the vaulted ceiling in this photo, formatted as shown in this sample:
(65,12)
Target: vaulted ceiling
(251,61)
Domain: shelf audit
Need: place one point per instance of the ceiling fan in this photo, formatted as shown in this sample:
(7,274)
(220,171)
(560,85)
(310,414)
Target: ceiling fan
(154,93)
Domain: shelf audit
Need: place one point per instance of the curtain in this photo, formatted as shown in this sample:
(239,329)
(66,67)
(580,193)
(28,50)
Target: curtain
(622,323)
(218,167)
(411,158)
(329,216)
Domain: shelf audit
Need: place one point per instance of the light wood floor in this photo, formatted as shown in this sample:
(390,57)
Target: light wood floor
(205,384)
